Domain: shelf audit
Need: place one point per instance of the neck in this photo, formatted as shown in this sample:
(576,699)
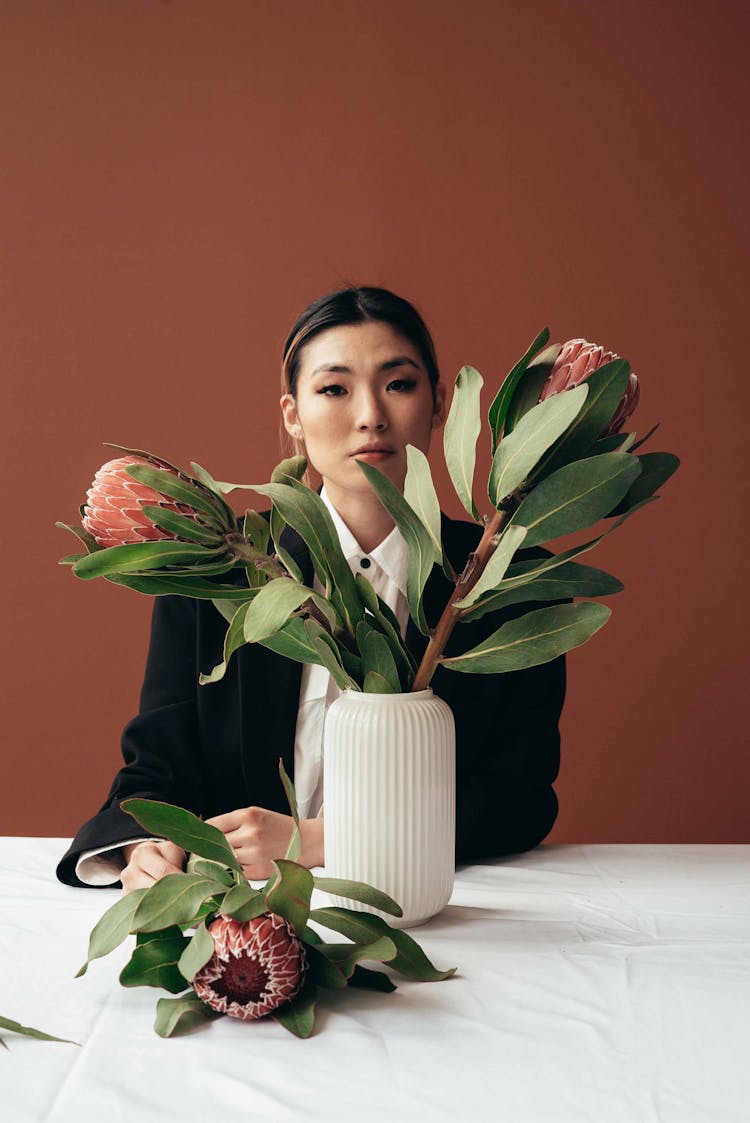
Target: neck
(364,514)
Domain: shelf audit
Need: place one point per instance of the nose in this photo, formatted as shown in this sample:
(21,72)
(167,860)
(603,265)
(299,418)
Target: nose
(370,414)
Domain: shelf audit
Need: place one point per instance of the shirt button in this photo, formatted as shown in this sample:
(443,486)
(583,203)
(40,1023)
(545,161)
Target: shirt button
(365,563)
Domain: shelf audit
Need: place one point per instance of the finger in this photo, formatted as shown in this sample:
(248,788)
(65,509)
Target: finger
(229,821)
(174,854)
(132,878)
(256,870)
(152,861)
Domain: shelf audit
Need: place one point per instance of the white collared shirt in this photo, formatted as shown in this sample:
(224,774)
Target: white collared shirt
(385,569)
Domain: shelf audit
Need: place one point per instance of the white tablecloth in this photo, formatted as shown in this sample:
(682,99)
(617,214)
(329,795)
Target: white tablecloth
(601,983)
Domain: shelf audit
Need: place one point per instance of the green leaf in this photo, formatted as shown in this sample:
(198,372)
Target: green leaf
(421,549)
(173,899)
(375,683)
(113,927)
(499,407)
(165,584)
(225,608)
(294,849)
(656,468)
(289,471)
(243,903)
(329,655)
(532,639)
(576,496)
(182,525)
(192,494)
(83,535)
(523,573)
(410,960)
(518,452)
(258,531)
(142,556)
(289,895)
(298,1015)
(233,639)
(564,582)
(377,657)
(175,1015)
(617,442)
(272,607)
(196,954)
(530,385)
(70,559)
(207,868)
(304,510)
(371,980)
(460,436)
(208,909)
(183,828)
(277,528)
(499,561)
(207,479)
(293,642)
(420,494)
(347,956)
(358,891)
(388,623)
(322,971)
(154,964)
(643,440)
(27,1031)
(606,388)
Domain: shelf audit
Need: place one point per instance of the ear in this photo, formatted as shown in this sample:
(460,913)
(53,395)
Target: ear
(438,415)
(290,418)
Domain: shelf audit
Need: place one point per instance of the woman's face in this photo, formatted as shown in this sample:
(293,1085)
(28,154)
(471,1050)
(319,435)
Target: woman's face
(363,393)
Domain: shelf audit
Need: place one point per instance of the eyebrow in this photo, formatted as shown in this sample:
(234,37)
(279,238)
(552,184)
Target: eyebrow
(390,364)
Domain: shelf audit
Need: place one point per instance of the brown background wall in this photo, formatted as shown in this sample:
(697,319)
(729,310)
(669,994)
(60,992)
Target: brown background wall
(180,179)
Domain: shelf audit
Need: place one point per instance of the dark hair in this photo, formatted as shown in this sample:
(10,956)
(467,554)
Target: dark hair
(356,305)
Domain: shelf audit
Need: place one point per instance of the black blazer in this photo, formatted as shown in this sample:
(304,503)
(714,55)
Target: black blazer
(214,748)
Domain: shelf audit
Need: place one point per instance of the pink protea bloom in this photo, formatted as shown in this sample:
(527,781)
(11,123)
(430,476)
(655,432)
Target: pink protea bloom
(257,965)
(113,512)
(577,360)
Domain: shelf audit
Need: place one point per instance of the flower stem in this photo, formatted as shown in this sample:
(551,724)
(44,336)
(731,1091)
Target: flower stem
(467,579)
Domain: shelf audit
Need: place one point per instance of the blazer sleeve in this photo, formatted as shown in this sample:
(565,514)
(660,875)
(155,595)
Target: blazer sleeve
(160,746)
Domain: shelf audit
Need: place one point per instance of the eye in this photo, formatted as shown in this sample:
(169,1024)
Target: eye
(333,390)
(402,385)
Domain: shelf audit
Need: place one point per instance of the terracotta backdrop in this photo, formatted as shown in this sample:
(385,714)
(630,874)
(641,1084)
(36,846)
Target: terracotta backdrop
(179,180)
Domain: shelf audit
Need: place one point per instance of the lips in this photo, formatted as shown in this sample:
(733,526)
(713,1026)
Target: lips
(367,450)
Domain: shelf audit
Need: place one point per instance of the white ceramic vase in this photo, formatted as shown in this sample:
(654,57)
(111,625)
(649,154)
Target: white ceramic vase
(389,793)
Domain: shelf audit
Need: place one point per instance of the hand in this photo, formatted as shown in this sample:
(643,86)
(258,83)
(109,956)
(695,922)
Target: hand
(258,836)
(149,861)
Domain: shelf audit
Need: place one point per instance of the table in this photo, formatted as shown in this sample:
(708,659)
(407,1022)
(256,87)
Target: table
(603,983)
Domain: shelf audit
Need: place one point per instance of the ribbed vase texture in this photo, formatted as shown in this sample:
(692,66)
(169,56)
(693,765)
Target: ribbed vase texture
(390,799)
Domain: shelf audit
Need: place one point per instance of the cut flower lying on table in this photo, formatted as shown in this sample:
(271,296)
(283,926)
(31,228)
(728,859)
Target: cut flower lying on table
(252,952)
(560,464)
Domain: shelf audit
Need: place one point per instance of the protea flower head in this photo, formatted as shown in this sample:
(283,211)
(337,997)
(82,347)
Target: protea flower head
(257,965)
(577,360)
(113,512)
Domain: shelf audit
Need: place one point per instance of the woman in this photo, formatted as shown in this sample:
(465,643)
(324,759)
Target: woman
(360,381)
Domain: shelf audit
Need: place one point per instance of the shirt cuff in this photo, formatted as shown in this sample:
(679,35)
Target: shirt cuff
(104,865)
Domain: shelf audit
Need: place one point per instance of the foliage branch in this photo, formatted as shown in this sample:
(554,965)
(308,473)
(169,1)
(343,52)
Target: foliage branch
(556,469)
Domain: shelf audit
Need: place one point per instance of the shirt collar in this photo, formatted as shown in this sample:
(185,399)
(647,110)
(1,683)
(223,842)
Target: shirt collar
(390,555)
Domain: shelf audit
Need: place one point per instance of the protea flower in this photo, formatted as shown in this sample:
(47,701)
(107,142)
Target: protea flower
(113,512)
(257,965)
(577,360)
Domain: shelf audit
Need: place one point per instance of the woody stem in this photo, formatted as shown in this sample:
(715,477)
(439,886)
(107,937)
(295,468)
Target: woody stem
(473,570)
